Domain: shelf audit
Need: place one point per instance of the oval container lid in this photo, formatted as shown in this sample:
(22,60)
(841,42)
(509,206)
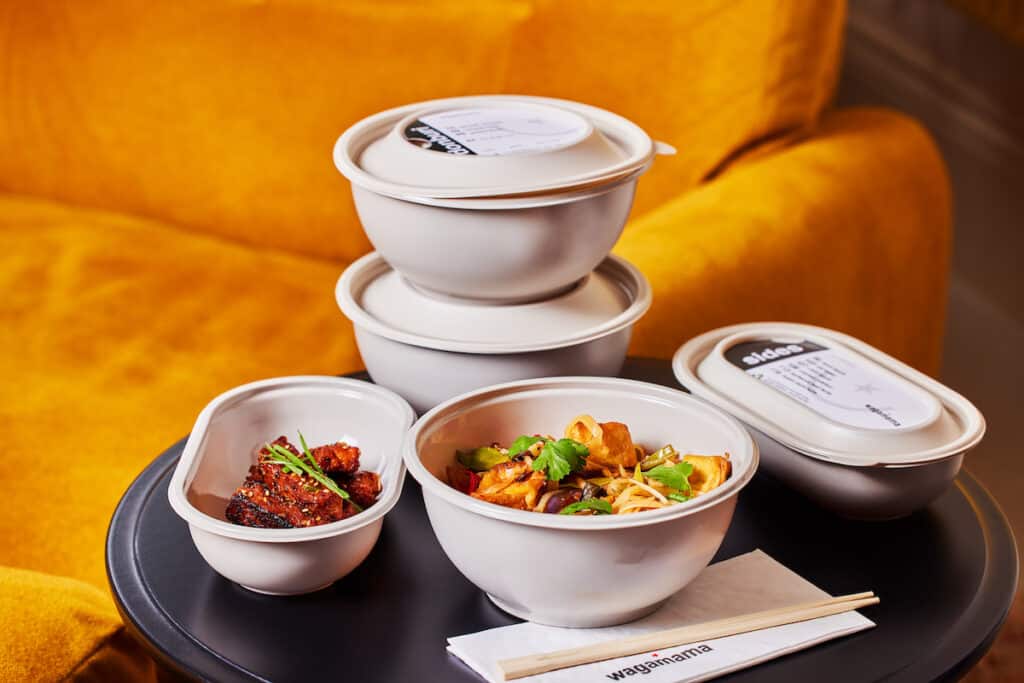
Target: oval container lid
(376,297)
(828,395)
(492,146)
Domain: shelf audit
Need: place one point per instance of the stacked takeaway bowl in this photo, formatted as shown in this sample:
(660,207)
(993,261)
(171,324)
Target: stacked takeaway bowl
(493,218)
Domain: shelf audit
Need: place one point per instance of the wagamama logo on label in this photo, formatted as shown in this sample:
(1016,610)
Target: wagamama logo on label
(650,666)
(772,354)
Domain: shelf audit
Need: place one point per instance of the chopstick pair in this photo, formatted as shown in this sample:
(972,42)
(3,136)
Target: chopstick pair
(520,667)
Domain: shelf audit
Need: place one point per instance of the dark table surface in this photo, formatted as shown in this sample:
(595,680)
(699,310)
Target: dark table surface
(946,576)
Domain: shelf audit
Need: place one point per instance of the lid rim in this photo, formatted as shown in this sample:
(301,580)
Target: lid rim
(372,264)
(699,347)
(345,154)
(526,200)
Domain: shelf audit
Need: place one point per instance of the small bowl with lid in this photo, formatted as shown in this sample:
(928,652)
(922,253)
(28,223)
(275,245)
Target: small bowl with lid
(465,195)
(428,348)
(850,427)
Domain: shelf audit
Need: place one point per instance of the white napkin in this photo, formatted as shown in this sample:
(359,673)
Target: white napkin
(741,585)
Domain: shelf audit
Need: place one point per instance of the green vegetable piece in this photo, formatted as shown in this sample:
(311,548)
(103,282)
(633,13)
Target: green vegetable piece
(481,459)
(674,476)
(598,505)
(309,455)
(678,497)
(558,458)
(523,443)
(658,457)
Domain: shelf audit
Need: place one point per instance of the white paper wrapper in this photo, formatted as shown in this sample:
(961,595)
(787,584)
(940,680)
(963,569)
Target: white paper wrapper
(741,585)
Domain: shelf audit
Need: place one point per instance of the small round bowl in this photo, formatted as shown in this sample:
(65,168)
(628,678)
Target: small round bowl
(222,446)
(498,250)
(577,571)
(429,348)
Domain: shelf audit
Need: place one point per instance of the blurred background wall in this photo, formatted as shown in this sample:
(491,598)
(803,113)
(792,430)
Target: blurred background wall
(958,67)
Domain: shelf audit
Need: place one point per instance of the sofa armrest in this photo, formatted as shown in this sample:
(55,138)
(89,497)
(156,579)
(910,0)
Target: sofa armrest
(849,229)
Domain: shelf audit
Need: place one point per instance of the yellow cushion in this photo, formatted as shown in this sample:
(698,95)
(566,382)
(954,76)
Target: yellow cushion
(849,229)
(716,78)
(220,115)
(54,627)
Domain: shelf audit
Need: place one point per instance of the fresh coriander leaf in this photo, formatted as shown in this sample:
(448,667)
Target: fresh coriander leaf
(674,476)
(558,458)
(598,505)
(678,497)
(524,442)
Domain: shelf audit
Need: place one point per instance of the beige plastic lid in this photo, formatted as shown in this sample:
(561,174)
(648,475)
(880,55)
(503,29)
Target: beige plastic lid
(492,146)
(828,395)
(376,297)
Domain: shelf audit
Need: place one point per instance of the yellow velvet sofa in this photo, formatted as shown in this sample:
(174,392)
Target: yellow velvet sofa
(171,224)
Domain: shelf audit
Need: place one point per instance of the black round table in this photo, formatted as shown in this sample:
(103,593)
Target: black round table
(946,575)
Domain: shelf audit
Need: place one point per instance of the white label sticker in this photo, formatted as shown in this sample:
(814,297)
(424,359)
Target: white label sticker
(493,132)
(831,383)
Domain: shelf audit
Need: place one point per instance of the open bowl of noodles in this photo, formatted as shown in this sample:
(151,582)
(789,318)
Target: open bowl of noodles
(587,503)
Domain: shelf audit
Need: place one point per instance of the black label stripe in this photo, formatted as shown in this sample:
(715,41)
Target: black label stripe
(426,136)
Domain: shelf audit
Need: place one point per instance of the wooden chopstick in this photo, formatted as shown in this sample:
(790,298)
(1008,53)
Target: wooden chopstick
(520,667)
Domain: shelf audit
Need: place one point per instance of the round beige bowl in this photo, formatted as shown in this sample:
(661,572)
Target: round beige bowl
(577,571)
(535,207)
(497,250)
(428,348)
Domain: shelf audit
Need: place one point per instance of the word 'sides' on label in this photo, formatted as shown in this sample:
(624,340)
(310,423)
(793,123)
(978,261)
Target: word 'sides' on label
(830,383)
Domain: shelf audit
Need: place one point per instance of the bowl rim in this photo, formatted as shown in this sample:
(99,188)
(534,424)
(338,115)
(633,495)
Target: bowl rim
(471,399)
(390,494)
(367,266)
(533,200)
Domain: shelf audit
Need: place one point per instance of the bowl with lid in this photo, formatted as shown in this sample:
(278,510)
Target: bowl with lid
(223,445)
(850,427)
(577,571)
(467,195)
(429,348)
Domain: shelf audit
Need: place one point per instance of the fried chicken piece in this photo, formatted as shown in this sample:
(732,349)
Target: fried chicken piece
(513,484)
(272,497)
(610,443)
(250,506)
(709,471)
(337,458)
(364,487)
